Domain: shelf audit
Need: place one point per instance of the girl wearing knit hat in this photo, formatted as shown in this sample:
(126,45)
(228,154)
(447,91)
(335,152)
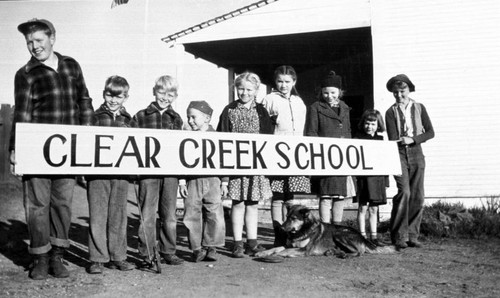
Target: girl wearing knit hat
(329,117)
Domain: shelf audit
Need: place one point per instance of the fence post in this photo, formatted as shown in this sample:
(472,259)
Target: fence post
(5,126)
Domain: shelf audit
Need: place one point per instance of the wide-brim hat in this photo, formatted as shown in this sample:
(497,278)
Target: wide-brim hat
(23,28)
(402,78)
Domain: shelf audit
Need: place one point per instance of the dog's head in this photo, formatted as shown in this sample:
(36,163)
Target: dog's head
(298,218)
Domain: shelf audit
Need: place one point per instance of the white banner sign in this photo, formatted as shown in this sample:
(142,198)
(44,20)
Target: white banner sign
(64,149)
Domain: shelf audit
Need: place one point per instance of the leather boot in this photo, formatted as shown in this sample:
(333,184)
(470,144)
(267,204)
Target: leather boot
(56,265)
(40,267)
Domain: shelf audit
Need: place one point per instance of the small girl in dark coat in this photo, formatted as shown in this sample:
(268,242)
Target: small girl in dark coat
(371,189)
(329,117)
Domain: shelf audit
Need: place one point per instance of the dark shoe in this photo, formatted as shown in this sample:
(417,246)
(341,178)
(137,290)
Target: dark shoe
(376,242)
(415,243)
(238,251)
(172,259)
(199,255)
(95,268)
(40,267)
(251,251)
(211,254)
(401,244)
(121,265)
(56,265)
(146,264)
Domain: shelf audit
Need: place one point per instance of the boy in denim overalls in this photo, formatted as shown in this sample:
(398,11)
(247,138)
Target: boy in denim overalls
(204,213)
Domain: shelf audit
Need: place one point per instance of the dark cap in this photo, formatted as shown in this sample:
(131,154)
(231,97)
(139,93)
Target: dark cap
(23,28)
(401,78)
(332,80)
(202,106)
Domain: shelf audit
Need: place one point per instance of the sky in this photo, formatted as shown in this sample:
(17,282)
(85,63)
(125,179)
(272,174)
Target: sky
(125,40)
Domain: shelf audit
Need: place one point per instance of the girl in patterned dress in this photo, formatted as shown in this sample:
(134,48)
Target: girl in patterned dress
(246,116)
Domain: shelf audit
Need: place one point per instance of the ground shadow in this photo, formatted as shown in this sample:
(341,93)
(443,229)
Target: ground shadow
(78,252)
(13,243)
(14,240)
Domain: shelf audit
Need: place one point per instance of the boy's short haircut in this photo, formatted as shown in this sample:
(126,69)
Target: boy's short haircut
(168,83)
(116,85)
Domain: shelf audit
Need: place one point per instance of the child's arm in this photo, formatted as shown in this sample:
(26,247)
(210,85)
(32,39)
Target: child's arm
(311,127)
(183,188)
(223,186)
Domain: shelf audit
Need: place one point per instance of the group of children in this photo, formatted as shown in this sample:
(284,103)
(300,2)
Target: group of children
(282,112)
(50,89)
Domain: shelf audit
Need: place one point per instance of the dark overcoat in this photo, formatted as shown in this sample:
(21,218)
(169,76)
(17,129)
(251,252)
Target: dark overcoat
(323,121)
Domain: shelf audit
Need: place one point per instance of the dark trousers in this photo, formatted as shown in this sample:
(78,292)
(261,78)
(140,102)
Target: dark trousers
(47,203)
(408,203)
(158,194)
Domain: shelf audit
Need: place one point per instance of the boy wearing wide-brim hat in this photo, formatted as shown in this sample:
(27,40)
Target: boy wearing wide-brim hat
(409,124)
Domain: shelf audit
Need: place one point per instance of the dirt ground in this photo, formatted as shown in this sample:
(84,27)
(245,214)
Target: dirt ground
(443,268)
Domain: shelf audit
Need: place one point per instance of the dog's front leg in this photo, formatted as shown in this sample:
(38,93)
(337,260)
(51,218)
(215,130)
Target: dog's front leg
(269,252)
(292,253)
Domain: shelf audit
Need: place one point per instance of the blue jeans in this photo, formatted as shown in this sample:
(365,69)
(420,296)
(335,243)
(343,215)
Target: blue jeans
(408,203)
(204,213)
(47,203)
(158,194)
(108,219)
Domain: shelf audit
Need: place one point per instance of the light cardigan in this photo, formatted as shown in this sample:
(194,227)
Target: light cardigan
(289,114)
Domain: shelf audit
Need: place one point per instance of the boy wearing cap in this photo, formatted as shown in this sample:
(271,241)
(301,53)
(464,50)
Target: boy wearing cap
(409,124)
(50,88)
(204,213)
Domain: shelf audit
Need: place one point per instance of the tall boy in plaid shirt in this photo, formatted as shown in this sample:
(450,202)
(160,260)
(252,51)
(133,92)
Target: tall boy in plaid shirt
(50,88)
(107,195)
(163,189)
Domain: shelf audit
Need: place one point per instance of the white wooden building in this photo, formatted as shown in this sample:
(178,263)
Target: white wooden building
(450,49)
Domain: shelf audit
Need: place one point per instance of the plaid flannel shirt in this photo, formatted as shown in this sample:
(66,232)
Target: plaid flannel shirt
(151,117)
(104,117)
(43,95)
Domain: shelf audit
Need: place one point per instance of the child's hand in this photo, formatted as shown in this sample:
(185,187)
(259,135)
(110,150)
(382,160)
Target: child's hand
(183,191)
(407,140)
(224,191)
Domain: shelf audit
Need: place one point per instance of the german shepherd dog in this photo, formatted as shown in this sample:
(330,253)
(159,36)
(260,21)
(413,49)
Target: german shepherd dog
(307,236)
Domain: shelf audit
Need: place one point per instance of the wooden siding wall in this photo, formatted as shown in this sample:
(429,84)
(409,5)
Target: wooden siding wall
(451,51)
